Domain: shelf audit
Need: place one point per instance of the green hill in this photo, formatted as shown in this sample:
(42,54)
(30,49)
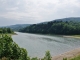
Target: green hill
(18,26)
(74,19)
(66,26)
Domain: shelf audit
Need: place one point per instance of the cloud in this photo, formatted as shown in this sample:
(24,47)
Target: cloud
(13,8)
(20,16)
(39,10)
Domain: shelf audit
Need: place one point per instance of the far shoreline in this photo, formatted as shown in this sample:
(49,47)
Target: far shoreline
(73,36)
(67,36)
(10,34)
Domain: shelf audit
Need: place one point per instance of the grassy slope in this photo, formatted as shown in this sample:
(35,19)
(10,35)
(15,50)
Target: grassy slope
(76,58)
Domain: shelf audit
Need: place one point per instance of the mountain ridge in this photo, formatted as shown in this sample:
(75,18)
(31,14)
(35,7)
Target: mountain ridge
(16,27)
(75,19)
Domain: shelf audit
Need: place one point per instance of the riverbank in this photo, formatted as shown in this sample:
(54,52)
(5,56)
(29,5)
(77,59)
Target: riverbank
(68,36)
(70,54)
(10,34)
(73,36)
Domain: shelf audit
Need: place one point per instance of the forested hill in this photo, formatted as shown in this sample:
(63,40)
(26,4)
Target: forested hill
(74,19)
(17,26)
(55,27)
(6,30)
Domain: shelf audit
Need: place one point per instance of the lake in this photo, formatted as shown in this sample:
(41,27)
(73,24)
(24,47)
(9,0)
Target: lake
(37,44)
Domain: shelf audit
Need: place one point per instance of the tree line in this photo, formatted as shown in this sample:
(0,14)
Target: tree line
(6,30)
(54,27)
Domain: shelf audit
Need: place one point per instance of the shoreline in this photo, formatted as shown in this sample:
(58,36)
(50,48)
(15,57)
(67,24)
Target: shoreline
(72,36)
(70,54)
(10,34)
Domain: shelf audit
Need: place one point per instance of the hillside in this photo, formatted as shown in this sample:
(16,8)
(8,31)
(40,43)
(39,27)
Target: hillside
(74,19)
(66,26)
(18,26)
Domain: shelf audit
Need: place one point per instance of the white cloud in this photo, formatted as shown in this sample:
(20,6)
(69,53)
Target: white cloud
(13,8)
(39,10)
(20,15)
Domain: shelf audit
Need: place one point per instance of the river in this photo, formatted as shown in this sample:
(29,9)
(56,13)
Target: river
(36,44)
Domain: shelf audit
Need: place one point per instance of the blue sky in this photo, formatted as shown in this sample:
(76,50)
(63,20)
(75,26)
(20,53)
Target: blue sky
(35,11)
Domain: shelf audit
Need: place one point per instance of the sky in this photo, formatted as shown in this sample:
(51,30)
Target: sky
(36,11)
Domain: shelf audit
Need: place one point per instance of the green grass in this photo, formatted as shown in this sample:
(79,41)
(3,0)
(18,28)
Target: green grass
(76,58)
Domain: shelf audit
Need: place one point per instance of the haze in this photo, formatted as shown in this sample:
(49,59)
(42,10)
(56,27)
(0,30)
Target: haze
(36,11)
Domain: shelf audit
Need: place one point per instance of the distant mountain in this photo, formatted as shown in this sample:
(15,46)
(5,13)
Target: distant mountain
(18,26)
(74,19)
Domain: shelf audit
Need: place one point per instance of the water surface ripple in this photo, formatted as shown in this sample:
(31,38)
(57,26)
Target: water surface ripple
(36,44)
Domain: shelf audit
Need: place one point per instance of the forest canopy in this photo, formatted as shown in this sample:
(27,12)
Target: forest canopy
(6,30)
(55,27)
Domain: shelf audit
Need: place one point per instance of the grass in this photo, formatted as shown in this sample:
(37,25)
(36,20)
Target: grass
(75,58)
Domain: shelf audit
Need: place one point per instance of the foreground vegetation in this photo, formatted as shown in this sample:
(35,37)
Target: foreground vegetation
(10,49)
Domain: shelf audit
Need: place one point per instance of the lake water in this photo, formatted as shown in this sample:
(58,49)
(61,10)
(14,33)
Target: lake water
(36,44)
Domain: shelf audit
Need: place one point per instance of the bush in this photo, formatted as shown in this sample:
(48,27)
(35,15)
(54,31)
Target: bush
(47,56)
(10,49)
(64,58)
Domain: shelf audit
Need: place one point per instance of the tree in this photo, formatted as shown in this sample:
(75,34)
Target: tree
(35,58)
(55,27)
(23,54)
(47,56)
(10,49)
(6,30)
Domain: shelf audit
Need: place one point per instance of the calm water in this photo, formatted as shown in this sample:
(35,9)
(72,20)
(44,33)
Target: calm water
(36,45)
